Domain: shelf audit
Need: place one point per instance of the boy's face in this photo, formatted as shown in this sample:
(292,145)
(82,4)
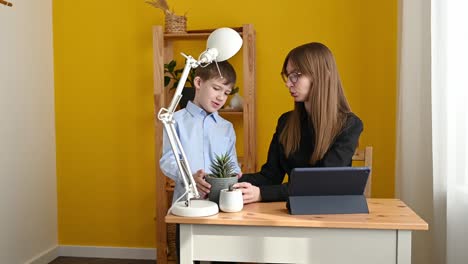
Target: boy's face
(211,94)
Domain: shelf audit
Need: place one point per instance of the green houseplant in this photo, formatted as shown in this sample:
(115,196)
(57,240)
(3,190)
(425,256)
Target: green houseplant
(172,77)
(174,74)
(222,175)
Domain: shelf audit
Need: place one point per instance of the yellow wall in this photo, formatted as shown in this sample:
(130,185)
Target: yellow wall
(103,78)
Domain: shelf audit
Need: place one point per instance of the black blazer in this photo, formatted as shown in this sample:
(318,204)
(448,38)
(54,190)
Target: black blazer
(270,178)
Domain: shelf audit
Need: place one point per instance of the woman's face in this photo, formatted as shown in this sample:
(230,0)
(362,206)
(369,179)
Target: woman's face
(297,83)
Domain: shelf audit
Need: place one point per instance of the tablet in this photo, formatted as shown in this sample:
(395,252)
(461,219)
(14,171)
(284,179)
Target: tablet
(330,190)
(328,181)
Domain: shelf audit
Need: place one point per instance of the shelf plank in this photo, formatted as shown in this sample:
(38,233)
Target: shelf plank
(224,112)
(185,35)
(193,34)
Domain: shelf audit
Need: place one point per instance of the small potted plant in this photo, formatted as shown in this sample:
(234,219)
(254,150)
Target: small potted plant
(222,176)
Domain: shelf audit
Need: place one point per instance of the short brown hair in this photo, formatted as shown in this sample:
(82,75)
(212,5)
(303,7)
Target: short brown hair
(211,71)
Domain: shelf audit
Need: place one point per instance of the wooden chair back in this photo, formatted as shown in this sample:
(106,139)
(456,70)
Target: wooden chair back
(365,155)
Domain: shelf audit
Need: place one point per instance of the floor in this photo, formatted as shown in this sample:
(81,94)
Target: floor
(73,260)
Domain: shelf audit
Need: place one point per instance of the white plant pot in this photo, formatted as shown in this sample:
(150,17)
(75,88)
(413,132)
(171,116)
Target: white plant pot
(236,102)
(231,201)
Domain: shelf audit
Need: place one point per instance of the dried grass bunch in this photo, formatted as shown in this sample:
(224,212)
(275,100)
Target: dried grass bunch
(161,4)
(173,23)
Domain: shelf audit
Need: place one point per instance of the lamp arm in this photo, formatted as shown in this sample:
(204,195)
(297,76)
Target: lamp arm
(181,160)
(189,64)
(166,116)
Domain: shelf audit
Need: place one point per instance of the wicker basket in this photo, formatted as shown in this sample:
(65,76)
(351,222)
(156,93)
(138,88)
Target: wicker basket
(175,24)
(171,242)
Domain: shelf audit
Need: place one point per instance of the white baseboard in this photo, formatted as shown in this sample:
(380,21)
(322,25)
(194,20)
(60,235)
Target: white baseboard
(45,257)
(107,252)
(93,252)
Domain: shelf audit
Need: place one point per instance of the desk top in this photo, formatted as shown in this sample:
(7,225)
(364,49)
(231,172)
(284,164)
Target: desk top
(383,214)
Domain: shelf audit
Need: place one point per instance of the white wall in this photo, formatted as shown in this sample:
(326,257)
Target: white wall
(414,136)
(28,197)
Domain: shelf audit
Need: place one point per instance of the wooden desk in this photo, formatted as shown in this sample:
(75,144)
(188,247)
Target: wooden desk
(265,232)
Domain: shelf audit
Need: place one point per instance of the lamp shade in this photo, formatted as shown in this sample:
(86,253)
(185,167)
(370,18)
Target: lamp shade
(226,41)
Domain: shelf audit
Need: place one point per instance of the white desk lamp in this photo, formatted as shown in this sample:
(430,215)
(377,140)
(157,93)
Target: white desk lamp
(222,44)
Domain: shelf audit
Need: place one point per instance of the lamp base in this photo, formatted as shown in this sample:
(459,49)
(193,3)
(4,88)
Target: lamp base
(197,208)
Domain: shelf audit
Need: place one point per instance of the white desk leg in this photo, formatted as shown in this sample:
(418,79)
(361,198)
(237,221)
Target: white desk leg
(186,244)
(403,247)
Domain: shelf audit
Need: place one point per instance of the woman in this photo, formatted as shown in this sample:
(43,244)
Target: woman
(321,131)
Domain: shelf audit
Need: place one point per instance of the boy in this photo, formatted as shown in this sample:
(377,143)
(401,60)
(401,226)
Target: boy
(203,133)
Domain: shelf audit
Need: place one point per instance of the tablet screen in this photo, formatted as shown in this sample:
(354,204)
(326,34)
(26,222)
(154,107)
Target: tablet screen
(328,181)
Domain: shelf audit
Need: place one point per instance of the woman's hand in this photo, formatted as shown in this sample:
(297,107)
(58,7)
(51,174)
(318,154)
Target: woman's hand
(202,186)
(250,193)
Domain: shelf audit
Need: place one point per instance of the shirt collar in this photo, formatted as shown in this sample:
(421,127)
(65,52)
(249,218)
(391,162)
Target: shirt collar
(196,111)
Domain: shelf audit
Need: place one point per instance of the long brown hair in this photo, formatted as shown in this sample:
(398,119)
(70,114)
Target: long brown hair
(327,102)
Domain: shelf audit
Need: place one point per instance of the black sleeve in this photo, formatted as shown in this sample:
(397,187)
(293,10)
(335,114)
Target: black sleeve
(342,150)
(270,178)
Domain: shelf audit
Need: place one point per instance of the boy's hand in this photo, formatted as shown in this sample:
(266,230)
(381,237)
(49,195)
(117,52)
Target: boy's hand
(202,186)
(250,193)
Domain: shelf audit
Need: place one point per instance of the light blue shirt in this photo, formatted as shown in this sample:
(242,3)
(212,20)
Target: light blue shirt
(203,136)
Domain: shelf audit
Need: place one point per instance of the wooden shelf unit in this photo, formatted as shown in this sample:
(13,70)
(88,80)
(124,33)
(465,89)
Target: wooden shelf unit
(162,53)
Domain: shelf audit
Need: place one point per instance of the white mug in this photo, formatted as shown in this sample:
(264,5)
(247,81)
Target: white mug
(230,201)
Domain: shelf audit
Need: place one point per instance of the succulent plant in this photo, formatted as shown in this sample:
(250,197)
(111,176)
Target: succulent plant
(222,166)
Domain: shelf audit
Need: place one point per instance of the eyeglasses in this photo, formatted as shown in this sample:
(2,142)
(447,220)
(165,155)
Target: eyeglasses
(293,77)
